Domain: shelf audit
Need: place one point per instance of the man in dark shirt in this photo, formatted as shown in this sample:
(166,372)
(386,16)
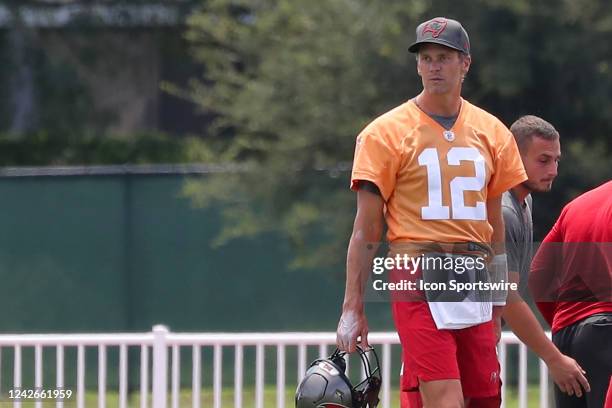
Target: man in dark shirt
(538,143)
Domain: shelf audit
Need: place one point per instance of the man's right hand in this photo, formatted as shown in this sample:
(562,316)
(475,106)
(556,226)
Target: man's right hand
(352,324)
(564,370)
(568,375)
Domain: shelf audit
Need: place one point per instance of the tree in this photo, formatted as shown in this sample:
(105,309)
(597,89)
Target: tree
(292,83)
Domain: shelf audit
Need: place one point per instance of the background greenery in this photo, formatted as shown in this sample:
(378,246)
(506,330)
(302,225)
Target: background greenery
(280,88)
(292,83)
(283,87)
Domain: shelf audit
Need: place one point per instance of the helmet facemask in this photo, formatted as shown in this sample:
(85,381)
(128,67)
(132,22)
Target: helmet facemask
(326,384)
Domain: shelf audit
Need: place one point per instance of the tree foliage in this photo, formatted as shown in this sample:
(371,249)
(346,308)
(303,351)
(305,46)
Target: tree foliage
(61,149)
(292,83)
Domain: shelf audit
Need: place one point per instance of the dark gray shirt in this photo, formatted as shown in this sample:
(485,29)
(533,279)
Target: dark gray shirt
(446,122)
(519,237)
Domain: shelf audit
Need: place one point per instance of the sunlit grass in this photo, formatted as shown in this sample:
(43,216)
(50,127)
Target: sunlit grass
(227,399)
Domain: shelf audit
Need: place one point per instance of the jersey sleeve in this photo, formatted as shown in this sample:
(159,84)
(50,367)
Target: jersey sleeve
(508,170)
(376,160)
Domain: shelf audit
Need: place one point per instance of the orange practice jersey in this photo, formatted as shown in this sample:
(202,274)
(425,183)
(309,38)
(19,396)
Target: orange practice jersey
(435,183)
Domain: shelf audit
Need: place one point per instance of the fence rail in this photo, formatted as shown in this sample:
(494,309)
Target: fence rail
(160,364)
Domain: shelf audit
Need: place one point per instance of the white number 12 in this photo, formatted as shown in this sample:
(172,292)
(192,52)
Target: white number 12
(458,185)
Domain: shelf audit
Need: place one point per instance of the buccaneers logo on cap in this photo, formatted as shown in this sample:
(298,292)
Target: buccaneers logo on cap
(435,27)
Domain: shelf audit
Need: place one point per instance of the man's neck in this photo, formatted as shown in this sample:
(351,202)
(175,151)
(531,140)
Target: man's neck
(520,192)
(442,105)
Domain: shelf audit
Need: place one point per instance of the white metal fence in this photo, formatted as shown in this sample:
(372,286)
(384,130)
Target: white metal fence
(160,368)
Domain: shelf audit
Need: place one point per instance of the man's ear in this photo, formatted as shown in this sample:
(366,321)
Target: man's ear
(467,61)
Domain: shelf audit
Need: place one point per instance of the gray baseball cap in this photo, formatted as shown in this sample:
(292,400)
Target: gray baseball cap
(443,31)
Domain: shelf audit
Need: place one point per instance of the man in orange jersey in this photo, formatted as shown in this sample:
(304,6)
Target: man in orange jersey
(434,169)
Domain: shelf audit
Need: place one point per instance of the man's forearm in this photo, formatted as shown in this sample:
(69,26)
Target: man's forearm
(498,267)
(367,231)
(527,328)
(496,220)
(359,258)
(364,242)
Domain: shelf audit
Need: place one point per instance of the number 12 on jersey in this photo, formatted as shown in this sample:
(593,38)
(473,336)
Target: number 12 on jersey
(458,185)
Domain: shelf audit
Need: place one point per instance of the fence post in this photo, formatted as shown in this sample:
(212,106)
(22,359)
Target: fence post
(160,366)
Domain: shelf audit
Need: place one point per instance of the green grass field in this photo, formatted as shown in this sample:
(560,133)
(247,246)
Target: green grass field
(248,398)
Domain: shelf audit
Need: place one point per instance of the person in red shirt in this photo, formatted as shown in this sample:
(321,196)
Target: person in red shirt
(571,282)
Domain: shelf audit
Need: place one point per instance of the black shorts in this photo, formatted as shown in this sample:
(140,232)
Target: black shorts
(589,342)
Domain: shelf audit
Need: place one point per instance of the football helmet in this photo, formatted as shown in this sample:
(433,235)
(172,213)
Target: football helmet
(326,384)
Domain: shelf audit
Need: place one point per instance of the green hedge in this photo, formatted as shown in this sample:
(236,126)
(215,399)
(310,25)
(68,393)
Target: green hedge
(43,149)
